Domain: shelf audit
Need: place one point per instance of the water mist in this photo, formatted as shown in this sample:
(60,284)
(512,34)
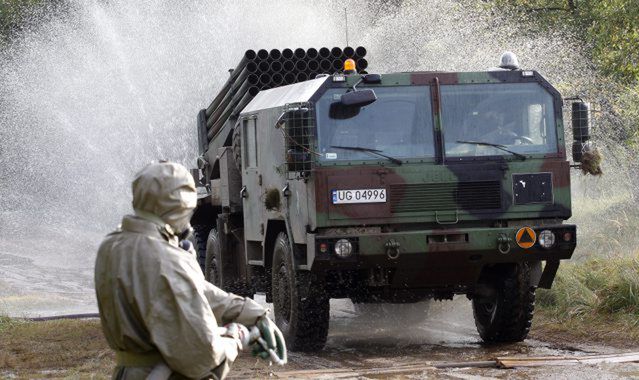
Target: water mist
(94,92)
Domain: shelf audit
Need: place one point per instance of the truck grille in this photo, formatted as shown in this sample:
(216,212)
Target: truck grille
(478,195)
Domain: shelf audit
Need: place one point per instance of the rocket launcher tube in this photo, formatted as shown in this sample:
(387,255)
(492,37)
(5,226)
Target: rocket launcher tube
(249,56)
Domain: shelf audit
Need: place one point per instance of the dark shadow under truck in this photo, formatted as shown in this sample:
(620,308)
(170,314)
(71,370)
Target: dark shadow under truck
(386,188)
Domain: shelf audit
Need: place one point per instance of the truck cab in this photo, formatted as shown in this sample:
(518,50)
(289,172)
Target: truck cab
(391,188)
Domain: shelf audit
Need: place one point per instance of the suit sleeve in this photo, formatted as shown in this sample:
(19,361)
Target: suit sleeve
(182,325)
(228,307)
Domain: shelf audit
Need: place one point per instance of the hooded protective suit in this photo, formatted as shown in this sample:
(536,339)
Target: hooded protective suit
(155,305)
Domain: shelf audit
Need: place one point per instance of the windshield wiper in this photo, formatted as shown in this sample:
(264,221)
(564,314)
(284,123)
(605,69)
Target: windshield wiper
(369,150)
(498,146)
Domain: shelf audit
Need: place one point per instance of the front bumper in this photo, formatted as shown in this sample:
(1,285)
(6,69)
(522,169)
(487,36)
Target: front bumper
(434,258)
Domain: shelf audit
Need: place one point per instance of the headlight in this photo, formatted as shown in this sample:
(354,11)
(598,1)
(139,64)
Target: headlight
(343,248)
(546,239)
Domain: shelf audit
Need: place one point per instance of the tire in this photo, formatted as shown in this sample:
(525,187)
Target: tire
(237,146)
(211,267)
(302,320)
(200,234)
(505,315)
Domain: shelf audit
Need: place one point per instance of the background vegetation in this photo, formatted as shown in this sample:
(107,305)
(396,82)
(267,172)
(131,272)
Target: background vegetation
(609,31)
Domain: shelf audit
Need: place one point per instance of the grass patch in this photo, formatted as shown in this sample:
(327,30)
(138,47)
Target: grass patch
(617,330)
(60,349)
(595,301)
(597,286)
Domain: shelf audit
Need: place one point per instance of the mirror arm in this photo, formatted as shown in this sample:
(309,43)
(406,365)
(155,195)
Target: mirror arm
(354,87)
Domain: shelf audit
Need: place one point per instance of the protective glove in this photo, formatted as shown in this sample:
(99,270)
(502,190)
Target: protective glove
(268,341)
(239,333)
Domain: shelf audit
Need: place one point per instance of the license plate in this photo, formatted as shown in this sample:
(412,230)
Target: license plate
(359,196)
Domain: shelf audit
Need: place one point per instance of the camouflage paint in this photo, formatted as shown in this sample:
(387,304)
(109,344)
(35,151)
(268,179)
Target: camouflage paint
(421,264)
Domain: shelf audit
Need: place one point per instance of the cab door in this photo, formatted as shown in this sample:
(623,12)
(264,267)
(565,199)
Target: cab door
(251,179)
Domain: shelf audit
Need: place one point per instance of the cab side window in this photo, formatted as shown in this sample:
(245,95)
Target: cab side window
(249,132)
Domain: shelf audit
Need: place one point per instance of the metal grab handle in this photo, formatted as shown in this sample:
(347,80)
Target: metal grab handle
(504,250)
(454,222)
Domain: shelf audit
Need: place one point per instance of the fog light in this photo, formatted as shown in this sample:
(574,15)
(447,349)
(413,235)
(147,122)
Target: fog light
(546,239)
(343,248)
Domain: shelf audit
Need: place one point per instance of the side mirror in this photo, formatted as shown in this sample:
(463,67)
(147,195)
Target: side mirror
(580,128)
(359,98)
(581,121)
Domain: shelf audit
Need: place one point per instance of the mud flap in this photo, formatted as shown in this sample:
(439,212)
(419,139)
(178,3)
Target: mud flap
(548,276)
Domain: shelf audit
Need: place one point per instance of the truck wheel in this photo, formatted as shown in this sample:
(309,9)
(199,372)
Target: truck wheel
(211,268)
(505,314)
(303,320)
(237,146)
(200,234)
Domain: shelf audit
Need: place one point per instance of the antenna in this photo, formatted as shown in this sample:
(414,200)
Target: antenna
(346,17)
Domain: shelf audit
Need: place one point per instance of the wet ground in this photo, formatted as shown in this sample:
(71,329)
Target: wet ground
(367,346)
(40,279)
(47,272)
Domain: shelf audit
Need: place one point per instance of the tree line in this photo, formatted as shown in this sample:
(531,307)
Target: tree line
(609,27)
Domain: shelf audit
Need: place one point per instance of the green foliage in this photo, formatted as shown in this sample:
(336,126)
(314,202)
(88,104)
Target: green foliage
(6,323)
(599,286)
(610,27)
(614,28)
(12,15)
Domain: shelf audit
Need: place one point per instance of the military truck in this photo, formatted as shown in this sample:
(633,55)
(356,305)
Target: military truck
(385,188)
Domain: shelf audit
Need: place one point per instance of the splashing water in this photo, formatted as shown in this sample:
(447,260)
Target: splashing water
(91,94)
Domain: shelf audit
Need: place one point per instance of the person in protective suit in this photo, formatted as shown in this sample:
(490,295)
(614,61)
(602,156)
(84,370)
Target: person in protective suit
(157,311)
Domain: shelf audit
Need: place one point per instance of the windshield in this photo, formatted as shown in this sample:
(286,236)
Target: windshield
(399,124)
(517,116)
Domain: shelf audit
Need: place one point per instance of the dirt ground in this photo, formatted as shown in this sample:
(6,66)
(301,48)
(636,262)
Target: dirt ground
(373,344)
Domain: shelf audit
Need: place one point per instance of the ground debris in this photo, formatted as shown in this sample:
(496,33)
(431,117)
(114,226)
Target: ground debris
(499,362)
(515,362)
